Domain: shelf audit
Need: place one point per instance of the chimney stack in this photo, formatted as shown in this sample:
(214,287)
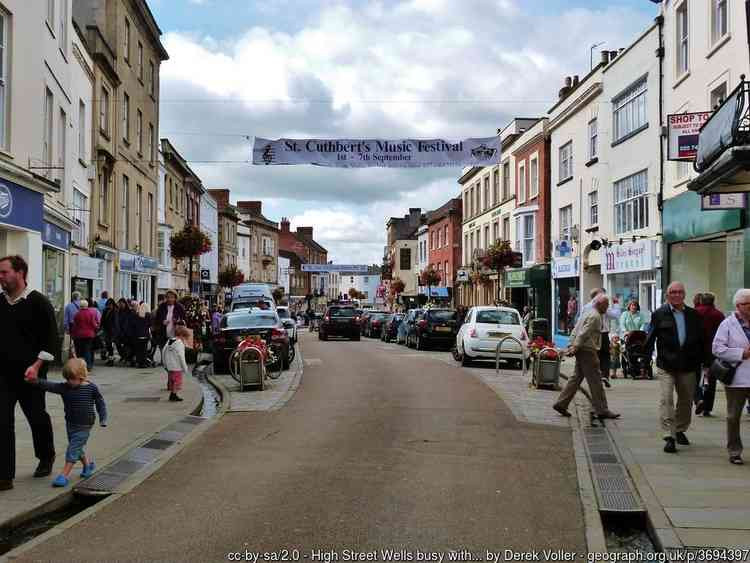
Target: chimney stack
(612,55)
(250,207)
(568,82)
(221,196)
(415,216)
(605,58)
(284,225)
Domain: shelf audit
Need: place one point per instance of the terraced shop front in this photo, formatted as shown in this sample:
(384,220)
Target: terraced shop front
(706,250)
(531,286)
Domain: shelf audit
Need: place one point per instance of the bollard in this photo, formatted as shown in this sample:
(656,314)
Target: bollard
(497,354)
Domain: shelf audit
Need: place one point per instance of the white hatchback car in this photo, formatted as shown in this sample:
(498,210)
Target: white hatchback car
(484,327)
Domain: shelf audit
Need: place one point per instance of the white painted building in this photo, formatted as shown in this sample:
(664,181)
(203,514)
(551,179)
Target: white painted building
(423,248)
(365,283)
(283,276)
(706,52)
(209,223)
(243,250)
(163,232)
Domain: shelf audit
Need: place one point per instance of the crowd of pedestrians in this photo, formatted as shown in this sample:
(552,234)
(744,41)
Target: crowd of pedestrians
(687,341)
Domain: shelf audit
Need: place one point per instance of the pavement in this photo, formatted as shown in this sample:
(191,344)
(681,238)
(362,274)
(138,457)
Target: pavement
(138,407)
(374,451)
(695,499)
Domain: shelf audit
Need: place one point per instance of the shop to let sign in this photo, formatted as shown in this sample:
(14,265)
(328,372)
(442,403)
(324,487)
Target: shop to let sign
(683,129)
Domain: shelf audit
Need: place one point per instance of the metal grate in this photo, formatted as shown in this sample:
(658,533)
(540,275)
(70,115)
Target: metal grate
(170,436)
(619,502)
(608,470)
(157,444)
(603,458)
(143,455)
(125,466)
(613,484)
(142,399)
(102,481)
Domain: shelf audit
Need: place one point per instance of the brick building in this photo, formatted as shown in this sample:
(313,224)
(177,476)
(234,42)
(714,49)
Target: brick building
(444,240)
(302,244)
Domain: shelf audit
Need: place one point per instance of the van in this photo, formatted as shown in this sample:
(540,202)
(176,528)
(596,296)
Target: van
(252,292)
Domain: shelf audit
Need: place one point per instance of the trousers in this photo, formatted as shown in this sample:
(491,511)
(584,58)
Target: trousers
(587,367)
(676,419)
(13,389)
(736,397)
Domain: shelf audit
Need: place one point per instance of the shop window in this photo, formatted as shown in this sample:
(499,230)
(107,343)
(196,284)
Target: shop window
(631,203)
(629,110)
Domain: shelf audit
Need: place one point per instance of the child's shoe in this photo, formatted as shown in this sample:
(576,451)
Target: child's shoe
(174,397)
(60,481)
(88,470)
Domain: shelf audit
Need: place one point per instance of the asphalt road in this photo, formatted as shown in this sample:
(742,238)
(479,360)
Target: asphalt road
(381,448)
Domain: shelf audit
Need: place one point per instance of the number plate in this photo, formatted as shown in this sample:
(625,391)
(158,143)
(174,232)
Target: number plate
(497,334)
(443,328)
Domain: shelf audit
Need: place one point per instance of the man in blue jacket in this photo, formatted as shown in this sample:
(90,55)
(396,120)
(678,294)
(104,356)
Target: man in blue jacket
(677,333)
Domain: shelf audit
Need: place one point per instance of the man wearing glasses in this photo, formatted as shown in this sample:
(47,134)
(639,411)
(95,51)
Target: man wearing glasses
(677,332)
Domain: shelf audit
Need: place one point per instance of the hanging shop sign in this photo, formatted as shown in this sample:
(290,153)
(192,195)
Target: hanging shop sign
(713,202)
(385,153)
(88,268)
(630,257)
(565,268)
(517,278)
(683,131)
(137,263)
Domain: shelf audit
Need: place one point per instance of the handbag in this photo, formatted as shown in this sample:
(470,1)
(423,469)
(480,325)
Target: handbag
(723,371)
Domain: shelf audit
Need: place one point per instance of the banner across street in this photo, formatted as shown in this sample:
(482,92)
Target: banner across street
(384,153)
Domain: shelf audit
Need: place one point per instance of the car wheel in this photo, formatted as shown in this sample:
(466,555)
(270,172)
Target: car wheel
(465,359)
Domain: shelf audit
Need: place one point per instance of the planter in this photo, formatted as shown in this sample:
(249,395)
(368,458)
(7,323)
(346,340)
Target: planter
(546,369)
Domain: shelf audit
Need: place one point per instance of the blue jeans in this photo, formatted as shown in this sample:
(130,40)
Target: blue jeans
(77,438)
(84,350)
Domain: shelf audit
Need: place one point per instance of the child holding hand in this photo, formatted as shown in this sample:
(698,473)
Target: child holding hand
(174,361)
(80,398)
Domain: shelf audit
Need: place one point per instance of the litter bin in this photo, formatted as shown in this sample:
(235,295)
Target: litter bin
(539,327)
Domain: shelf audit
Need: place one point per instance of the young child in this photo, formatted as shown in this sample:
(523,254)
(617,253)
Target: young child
(174,361)
(615,348)
(80,397)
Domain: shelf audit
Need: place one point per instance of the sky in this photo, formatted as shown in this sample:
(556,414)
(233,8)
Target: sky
(364,69)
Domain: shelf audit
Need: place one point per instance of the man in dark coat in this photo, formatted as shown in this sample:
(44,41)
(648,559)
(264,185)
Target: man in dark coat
(677,332)
(711,317)
(28,337)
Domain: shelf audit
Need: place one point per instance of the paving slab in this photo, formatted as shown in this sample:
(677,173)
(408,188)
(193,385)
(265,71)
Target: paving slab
(131,419)
(696,498)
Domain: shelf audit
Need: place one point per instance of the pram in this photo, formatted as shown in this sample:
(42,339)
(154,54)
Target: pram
(636,363)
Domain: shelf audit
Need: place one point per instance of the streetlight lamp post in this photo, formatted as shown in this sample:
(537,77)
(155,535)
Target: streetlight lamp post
(591,53)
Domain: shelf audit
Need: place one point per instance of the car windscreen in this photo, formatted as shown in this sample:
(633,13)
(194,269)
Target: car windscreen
(342,312)
(442,316)
(248,321)
(498,317)
(283,313)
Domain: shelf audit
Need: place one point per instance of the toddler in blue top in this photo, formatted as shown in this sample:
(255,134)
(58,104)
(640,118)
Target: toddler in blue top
(80,397)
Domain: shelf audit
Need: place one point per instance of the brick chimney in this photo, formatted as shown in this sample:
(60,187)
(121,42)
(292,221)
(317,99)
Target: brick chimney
(221,196)
(415,216)
(284,225)
(305,232)
(250,207)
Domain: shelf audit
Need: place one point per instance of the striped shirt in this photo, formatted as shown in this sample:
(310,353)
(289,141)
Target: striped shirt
(79,402)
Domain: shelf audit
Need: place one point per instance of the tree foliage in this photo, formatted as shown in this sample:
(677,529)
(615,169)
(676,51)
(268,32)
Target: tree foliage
(397,286)
(231,276)
(429,277)
(189,242)
(499,256)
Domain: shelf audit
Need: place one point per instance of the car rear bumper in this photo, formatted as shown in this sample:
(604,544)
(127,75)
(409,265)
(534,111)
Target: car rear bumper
(487,348)
(340,330)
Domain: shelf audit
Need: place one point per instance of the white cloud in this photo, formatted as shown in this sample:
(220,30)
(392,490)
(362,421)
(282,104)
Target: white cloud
(371,69)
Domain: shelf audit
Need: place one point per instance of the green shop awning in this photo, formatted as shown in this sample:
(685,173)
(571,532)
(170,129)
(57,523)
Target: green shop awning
(684,220)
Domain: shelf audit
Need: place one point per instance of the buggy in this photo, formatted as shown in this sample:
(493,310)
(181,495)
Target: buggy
(636,363)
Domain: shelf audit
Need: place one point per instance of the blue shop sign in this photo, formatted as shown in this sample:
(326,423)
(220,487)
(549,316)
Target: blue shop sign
(137,263)
(21,207)
(55,236)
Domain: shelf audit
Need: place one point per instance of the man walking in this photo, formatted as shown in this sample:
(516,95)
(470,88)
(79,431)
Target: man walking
(28,335)
(612,314)
(69,313)
(711,318)
(586,338)
(677,332)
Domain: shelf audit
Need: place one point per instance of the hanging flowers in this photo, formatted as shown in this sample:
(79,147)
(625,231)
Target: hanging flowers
(538,344)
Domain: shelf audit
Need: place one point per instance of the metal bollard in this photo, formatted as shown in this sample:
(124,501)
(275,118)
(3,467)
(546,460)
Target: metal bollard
(497,354)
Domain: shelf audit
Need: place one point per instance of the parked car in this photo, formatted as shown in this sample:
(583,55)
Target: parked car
(236,326)
(479,336)
(403,328)
(339,321)
(289,324)
(390,328)
(251,290)
(433,327)
(373,323)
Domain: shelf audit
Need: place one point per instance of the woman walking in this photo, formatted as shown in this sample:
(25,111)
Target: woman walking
(83,332)
(632,319)
(141,334)
(732,344)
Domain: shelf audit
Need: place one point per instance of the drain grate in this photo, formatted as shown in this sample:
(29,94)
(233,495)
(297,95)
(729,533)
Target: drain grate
(613,484)
(142,399)
(608,470)
(103,481)
(603,458)
(170,436)
(125,466)
(157,444)
(143,455)
(619,502)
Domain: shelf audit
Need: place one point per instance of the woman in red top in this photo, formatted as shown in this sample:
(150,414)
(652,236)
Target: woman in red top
(83,332)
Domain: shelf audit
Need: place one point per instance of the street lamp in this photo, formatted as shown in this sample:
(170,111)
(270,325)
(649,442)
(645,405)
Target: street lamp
(591,53)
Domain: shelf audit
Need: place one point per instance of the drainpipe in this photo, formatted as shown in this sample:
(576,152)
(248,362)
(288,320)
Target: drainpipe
(660,200)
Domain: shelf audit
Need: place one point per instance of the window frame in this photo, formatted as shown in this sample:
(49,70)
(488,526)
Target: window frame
(104,196)
(506,180)
(140,61)
(593,139)
(627,108)
(48,132)
(565,222)
(4,82)
(126,42)
(533,177)
(565,162)
(522,182)
(63,38)
(682,39)
(486,192)
(139,131)
(126,117)
(593,204)
(79,211)
(716,8)
(631,212)
(496,185)
(124,215)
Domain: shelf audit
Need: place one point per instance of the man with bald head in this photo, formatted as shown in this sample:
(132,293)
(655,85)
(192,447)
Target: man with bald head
(677,333)
(585,344)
